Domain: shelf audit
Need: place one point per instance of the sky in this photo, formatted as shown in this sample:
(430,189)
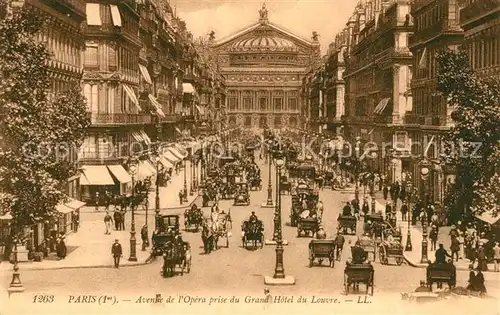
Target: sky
(302,17)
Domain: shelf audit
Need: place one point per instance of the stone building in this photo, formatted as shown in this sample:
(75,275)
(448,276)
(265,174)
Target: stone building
(377,82)
(436,28)
(264,65)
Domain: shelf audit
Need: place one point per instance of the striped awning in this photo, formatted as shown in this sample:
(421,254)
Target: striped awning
(166,163)
(120,173)
(176,153)
(381,106)
(145,74)
(156,105)
(171,158)
(145,170)
(131,95)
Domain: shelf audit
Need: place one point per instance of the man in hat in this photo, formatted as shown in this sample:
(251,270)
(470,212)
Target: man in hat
(116,251)
(253,217)
(320,234)
(441,255)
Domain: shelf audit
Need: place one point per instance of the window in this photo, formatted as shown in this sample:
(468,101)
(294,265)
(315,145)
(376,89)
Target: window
(248,104)
(111,58)
(232,103)
(262,122)
(91,94)
(91,57)
(111,99)
(278,104)
(262,103)
(292,104)
(248,121)
(277,121)
(292,121)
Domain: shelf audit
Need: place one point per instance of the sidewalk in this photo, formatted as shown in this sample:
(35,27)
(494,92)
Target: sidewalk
(413,257)
(169,196)
(91,248)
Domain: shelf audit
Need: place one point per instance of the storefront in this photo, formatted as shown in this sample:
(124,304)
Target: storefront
(94,181)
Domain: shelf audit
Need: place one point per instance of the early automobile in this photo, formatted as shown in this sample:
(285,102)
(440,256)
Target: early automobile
(322,250)
(167,230)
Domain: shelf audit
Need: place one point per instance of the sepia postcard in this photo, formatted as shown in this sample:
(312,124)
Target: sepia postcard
(246,157)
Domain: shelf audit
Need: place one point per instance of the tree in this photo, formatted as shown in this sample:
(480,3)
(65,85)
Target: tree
(474,139)
(40,130)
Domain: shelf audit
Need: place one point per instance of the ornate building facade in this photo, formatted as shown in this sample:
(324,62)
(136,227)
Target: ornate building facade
(264,65)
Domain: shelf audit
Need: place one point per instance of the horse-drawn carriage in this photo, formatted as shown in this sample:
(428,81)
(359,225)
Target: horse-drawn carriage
(285,185)
(176,254)
(308,225)
(347,223)
(369,245)
(193,218)
(255,182)
(441,273)
(167,231)
(354,274)
(391,250)
(306,171)
(374,225)
(304,198)
(222,228)
(242,197)
(322,250)
(253,232)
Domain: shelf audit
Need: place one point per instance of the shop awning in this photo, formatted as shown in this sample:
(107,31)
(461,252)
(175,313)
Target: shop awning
(74,204)
(145,170)
(172,158)
(137,136)
(188,88)
(97,175)
(115,15)
(182,150)
(166,163)
(178,130)
(156,105)
(63,209)
(131,95)
(120,173)
(176,153)
(381,106)
(93,14)
(145,74)
(145,137)
(84,181)
(488,217)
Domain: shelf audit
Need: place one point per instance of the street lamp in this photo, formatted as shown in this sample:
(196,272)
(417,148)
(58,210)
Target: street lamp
(372,184)
(279,277)
(133,242)
(191,188)
(424,172)
(185,182)
(356,165)
(15,285)
(157,195)
(409,198)
(269,203)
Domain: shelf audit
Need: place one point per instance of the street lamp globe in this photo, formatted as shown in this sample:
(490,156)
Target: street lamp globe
(374,155)
(424,171)
(280,162)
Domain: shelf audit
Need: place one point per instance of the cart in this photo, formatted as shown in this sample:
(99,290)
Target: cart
(348,224)
(391,250)
(441,273)
(369,246)
(354,274)
(322,250)
(307,225)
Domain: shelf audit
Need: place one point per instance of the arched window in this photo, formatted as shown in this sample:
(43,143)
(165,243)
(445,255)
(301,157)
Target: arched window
(262,122)
(277,121)
(91,93)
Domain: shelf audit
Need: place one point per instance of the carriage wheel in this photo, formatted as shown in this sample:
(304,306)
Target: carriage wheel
(261,241)
(227,241)
(311,261)
(399,261)
(244,241)
(346,285)
(188,266)
(182,268)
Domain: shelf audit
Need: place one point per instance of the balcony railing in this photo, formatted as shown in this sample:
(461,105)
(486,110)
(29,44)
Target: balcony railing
(389,119)
(78,6)
(411,119)
(478,9)
(119,119)
(171,118)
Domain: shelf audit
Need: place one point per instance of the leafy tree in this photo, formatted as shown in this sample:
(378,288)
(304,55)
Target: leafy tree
(41,131)
(476,116)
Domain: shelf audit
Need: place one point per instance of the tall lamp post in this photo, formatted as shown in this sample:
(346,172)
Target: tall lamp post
(133,241)
(269,203)
(279,277)
(424,172)
(15,285)
(157,193)
(185,181)
(409,199)
(357,149)
(191,188)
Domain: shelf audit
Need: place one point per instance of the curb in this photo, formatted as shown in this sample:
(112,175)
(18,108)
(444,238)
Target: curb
(75,267)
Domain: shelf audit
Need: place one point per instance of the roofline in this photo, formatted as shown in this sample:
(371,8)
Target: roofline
(256,25)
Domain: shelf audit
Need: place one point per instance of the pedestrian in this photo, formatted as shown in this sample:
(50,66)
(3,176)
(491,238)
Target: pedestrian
(455,248)
(388,209)
(181,196)
(404,211)
(385,191)
(433,235)
(108,220)
(116,252)
(97,201)
(117,217)
(122,219)
(144,237)
(61,248)
(496,256)
(481,258)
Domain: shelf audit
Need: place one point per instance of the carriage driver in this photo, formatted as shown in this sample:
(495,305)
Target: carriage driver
(346,211)
(253,217)
(359,255)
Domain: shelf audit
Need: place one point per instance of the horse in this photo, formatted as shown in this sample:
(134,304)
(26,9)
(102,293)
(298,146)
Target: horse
(169,259)
(252,232)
